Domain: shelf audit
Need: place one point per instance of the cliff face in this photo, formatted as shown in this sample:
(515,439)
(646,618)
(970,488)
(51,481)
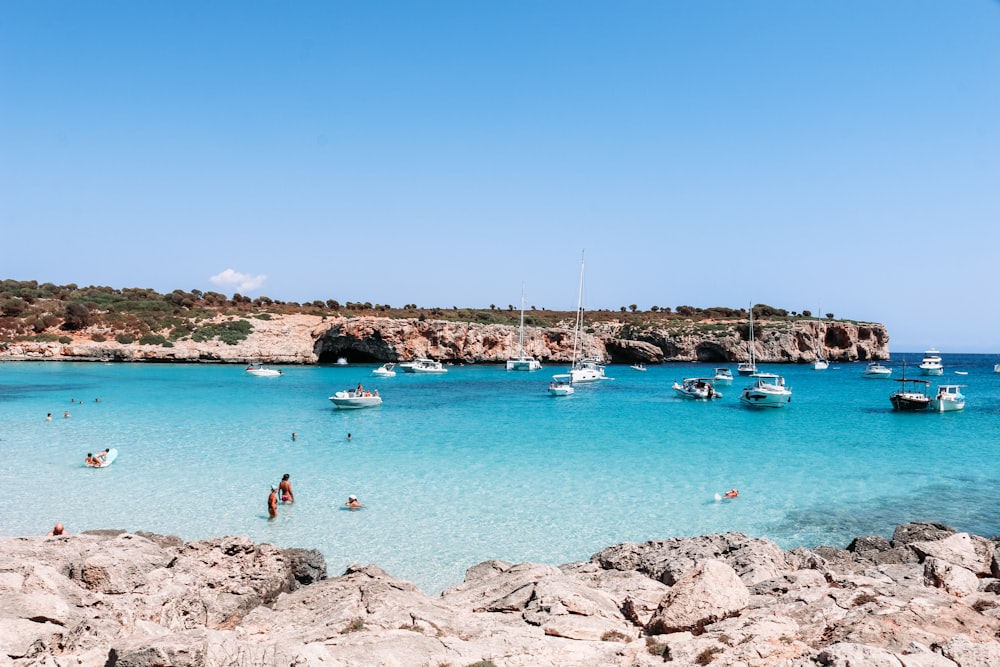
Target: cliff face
(307,339)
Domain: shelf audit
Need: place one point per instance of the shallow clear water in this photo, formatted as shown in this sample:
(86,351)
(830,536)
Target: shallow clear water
(481,463)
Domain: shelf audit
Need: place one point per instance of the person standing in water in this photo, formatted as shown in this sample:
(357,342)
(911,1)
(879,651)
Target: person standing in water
(272,503)
(286,490)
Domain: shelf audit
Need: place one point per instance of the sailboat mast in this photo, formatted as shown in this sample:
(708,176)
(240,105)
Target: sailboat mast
(578,329)
(753,351)
(520,340)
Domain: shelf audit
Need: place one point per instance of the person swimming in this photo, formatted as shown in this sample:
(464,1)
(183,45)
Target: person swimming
(353,503)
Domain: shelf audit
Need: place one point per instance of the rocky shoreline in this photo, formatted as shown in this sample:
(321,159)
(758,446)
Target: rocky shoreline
(928,597)
(311,339)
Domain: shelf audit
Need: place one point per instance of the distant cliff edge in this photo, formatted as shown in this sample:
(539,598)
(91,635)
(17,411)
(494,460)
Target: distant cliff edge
(310,339)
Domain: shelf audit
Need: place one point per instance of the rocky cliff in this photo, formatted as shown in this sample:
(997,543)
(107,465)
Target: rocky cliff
(927,597)
(306,339)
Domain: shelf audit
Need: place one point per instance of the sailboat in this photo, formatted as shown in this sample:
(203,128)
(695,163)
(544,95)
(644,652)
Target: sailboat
(749,367)
(522,362)
(820,363)
(583,370)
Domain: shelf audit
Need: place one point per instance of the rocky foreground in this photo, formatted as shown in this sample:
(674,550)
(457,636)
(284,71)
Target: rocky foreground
(928,597)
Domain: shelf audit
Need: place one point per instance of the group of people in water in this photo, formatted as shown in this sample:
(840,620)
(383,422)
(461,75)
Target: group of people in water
(284,491)
(97,461)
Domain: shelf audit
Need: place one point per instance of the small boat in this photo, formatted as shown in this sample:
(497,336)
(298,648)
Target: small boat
(523,361)
(876,371)
(341,361)
(913,399)
(961,372)
(260,371)
(352,399)
(385,371)
(996,368)
(949,398)
(423,366)
(820,364)
(638,367)
(722,376)
(697,388)
(931,363)
(768,391)
(561,385)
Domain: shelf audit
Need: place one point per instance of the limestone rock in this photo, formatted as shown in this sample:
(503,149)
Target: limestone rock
(970,552)
(953,578)
(711,592)
(669,560)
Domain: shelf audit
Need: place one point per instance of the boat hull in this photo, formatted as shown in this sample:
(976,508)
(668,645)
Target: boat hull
(909,402)
(756,398)
(523,365)
(349,400)
(947,405)
(931,370)
(264,372)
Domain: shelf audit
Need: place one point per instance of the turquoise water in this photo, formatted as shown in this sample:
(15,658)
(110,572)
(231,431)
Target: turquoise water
(481,463)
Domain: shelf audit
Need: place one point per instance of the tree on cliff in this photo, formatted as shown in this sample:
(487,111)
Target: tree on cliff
(77,316)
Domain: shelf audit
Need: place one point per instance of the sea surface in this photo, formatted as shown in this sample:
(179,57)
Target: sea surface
(482,463)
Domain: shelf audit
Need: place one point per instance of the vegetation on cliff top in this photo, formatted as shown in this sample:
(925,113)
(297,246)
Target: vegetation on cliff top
(33,311)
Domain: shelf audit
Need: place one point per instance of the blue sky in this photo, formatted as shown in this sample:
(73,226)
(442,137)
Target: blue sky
(842,156)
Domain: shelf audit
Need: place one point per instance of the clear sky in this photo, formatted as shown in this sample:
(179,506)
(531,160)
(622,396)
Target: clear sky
(835,156)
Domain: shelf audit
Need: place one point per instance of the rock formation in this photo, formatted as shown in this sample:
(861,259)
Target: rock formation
(308,339)
(928,597)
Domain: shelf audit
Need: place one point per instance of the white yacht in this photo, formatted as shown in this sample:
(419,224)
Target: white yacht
(583,370)
(949,398)
(768,391)
(820,364)
(587,370)
(260,371)
(423,366)
(876,371)
(696,388)
(931,364)
(722,376)
(523,361)
(352,399)
(386,370)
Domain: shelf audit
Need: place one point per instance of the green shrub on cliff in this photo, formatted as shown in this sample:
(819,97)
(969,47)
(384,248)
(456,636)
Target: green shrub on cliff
(230,333)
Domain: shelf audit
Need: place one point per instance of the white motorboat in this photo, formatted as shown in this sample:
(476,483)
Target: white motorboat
(820,364)
(876,371)
(697,388)
(722,376)
(949,398)
(638,367)
(768,391)
(561,385)
(260,371)
(341,361)
(931,363)
(385,370)
(352,399)
(423,366)
(996,368)
(749,367)
(523,361)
